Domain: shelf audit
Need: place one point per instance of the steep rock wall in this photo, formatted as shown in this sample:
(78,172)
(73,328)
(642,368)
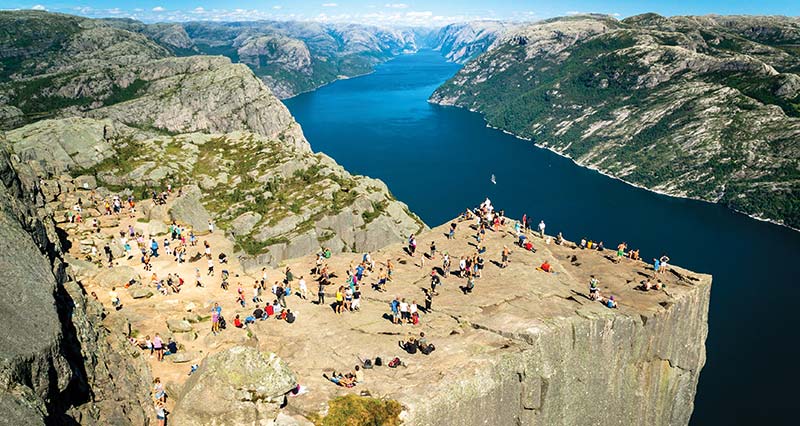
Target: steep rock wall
(583,369)
(59,363)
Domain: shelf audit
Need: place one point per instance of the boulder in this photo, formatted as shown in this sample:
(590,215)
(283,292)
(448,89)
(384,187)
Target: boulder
(243,224)
(116,276)
(182,357)
(86,182)
(246,385)
(140,293)
(179,326)
(187,209)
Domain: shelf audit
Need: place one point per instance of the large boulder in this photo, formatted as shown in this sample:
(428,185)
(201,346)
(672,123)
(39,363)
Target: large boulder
(188,210)
(116,276)
(179,325)
(246,385)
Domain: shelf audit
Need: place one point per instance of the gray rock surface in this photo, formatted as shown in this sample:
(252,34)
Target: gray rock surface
(246,385)
(65,365)
(188,210)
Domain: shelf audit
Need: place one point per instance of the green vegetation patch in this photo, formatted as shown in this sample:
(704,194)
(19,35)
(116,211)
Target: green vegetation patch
(353,410)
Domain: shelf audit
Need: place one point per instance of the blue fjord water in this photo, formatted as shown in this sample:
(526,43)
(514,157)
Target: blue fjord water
(439,160)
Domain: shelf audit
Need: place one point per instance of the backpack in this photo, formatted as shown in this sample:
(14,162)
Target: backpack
(428,349)
(222,322)
(290,318)
(378,361)
(394,363)
(368,364)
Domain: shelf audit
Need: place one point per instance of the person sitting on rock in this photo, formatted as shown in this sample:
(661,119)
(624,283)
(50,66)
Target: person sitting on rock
(425,347)
(237,322)
(545,266)
(529,246)
(410,345)
(259,313)
(611,303)
(172,347)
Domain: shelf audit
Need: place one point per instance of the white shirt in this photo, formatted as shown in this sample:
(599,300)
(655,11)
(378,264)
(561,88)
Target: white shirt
(541,225)
(302,284)
(403,307)
(413,308)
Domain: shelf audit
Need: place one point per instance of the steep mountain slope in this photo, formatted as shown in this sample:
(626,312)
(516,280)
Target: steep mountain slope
(461,42)
(703,107)
(294,57)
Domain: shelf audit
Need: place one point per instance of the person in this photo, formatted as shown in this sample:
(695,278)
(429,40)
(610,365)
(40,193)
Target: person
(410,345)
(158,390)
(237,322)
(435,281)
(664,260)
(339,299)
(172,347)
(115,302)
(529,246)
(389,269)
(289,316)
(303,288)
(158,347)
(359,374)
(541,228)
(656,265)
(412,245)
(404,313)
(594,291)
(452,233)
(258,313)
(346,381)
(357,298)
(560,239)
(611,303)
(210,226)
(321,293)
(215,313)
(161,412)
(621,251)
(395,306)
(424,347)
(433,250)
(413,312)
(470,283)
(545,266)
(505,257)
(381,285)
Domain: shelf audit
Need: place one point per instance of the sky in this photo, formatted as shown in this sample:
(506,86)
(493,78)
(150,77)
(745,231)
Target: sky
(394,12)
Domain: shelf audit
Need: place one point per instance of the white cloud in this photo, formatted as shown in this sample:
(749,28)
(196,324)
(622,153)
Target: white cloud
(158,9)
(426,14)
(330,4)
(199,10)
(396,5)
(39,7)
(277,7)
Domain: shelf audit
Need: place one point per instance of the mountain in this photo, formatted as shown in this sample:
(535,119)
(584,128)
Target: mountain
(706,107)
(292,57)
(461,42)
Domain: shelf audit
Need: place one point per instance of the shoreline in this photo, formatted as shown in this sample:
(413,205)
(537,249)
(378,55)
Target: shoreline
(607,174)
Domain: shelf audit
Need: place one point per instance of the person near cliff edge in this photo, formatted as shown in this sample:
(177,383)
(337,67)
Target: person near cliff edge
(541,228)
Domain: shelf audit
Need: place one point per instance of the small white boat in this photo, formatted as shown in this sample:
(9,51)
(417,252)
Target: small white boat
(494,181)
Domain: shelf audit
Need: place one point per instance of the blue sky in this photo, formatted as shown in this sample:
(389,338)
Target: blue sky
(403,12)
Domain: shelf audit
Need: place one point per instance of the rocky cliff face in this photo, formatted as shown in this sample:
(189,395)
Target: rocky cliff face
(295,57)
(278,200)
(60,361)
(463,41)
(702,107)
(590,368)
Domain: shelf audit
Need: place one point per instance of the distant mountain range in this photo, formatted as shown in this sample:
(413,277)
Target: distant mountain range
(706,107)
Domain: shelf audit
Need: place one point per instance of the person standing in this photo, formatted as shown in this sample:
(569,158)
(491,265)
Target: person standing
(210,226)
(541,228)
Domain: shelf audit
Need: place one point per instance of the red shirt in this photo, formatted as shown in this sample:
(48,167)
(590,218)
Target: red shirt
(237,323)
(545,267)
